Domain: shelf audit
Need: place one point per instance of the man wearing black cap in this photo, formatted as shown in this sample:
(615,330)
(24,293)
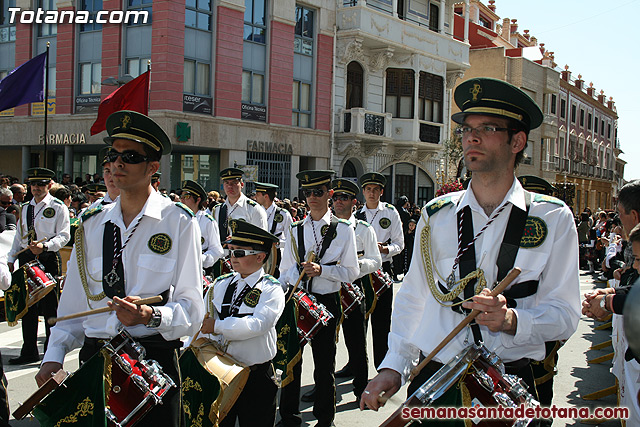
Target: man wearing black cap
(242,310)
(111,192)
(195,198)
(334,244)
(44,229)
(142,245)
(385,220)
(491,227)
(278,219)
(155,180)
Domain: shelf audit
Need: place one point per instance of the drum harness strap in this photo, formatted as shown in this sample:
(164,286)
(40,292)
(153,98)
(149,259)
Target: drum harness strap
(328,237)
(274,224)
(222,223)
(231,308)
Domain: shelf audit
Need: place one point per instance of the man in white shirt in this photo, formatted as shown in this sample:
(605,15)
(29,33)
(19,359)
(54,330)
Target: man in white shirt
(278,219)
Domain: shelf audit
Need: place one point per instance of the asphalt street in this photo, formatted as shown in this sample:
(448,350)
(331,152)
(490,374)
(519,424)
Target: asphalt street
(576,377)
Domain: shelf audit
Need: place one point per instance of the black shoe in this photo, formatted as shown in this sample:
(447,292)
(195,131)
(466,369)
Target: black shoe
(344,372)
(24,360)
(309,396)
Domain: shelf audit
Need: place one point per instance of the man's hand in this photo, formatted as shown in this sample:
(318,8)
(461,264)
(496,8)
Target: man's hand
(387,381)
(591,308)
(47,370)
(208,324)
(36,248)
(311,269)
(494,313)
(130,314)
(382,248)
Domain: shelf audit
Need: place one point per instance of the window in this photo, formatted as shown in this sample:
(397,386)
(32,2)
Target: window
(255,23)
(399,93)
(573,113)
(581,117)
(303,42)
(198,14)
(197,76)
(602,127)
(430,95)
(554,100)
(90,75)
(252,87)
(609,131)
(92,6)
(301,104)
(7,30)
(137,66)
(140,5)
(563,108)
(45,30)
(589,121)
(595,126)
(355,85)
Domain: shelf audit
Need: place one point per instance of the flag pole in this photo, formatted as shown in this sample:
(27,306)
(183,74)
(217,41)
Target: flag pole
(46,102)
(149,87)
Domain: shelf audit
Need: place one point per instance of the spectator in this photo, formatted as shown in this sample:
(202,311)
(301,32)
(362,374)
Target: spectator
(409,240)
(66,179)
(18,194)
(6,197)
(63,194)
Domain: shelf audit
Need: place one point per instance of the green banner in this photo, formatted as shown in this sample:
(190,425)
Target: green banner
(199,390)
(16,297)
(288,342)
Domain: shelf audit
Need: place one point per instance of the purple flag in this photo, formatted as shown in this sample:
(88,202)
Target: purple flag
(24,84)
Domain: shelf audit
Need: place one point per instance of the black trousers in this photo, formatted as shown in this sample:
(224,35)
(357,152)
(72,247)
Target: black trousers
(256,405)
(47,306)
(354,329)
(166,354)
(381,321)
(323,346)
(4,400)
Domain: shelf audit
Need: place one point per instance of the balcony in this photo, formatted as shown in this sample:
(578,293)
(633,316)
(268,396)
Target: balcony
(375,23)
(366,125)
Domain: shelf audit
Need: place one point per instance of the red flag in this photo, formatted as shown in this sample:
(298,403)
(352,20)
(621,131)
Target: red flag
(132,96)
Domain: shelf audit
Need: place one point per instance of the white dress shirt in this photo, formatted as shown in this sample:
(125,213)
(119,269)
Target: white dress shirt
(367,245)
(419,322)
(342,251)
(387,224)
(146,273)
(51,222)
(251,337)
(243,208)
(211,247)
(282,224)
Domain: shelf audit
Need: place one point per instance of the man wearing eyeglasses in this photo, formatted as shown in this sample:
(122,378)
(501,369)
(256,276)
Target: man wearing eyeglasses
(140,246)
(333,241)
(43,230)
(242,310)
(278,219)
(483,232)
(195,198)
(18,192)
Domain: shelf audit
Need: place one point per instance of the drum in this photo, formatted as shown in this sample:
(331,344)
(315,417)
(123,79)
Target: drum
(350,296)
(485,378)
(312,315)
(39,283)
(381,281)
(207,281)
(135,385)
(231,374)
(226,266)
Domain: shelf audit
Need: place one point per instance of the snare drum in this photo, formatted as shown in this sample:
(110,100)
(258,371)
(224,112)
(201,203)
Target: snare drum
(207,281)
(226,266)
(312,315)
(350,296)
(39,282)
(381,281)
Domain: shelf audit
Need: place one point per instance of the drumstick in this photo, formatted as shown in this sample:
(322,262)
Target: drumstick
(310,258)
(150,300)
(22,250)
(495,292)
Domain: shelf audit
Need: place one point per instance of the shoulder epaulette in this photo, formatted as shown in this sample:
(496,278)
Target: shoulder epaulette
(297,223)
(23,204)
(210,217)
(390,206)
(344,221)
(251,202)
(74,222)
(272,279)
(58,201)
(548,199)
(437,204)
(91,212)
(365,223)
(185,208)
(224,276)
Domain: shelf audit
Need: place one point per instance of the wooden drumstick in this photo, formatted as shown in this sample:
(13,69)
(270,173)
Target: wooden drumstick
(150,300)
(310,258)
(25,249)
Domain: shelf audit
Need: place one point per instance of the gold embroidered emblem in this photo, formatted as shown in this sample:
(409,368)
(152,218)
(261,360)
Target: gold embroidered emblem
(339,184)
(252,298)
(535,232)
(234,226)
(160,243)
(475,91)
(125,121)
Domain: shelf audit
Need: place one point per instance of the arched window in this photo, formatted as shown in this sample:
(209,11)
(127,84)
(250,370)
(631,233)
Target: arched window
(349,170)
(355,85)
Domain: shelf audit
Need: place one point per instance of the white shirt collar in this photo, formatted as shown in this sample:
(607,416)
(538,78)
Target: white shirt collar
(326,218)
(152,208)
(45,200)
(241,201)
(515,196)
(253,278)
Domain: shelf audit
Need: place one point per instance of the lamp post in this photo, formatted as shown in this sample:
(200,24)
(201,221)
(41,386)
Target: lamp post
(112,81)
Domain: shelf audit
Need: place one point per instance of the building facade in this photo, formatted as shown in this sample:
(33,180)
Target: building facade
(396,64)
(233,82)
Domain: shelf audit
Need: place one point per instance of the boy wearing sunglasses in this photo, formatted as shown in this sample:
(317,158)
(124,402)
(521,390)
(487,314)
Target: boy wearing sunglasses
(242,310)
(334,244)
(140,246)
(195,198)
(44,229)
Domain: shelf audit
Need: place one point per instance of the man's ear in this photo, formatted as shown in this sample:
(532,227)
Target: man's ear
(518,142)
(154,166)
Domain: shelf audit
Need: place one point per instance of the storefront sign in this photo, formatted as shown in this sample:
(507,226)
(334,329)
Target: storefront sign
(63,139)
(197,104)
(269,147)
(37,108)
(87,104)
(254,112)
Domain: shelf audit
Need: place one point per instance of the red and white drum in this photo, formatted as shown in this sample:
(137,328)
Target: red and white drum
(207,281)
(39,282)
(381,281)
(226,266)
(350,296)
(312,315)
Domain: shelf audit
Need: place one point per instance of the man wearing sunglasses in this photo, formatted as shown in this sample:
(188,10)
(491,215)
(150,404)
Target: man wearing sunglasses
(44,229)
(140,246)
(489,228)
(385,220)
(195,198)
(333,241)
(242,310)
(278,219)
(112,191)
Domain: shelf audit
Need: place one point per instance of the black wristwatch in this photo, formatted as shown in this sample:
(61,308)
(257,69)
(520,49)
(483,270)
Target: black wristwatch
(156,318)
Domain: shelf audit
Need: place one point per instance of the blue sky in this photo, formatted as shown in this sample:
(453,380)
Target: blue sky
(598,40)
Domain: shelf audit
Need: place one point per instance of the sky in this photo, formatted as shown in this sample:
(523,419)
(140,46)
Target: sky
(596,39)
